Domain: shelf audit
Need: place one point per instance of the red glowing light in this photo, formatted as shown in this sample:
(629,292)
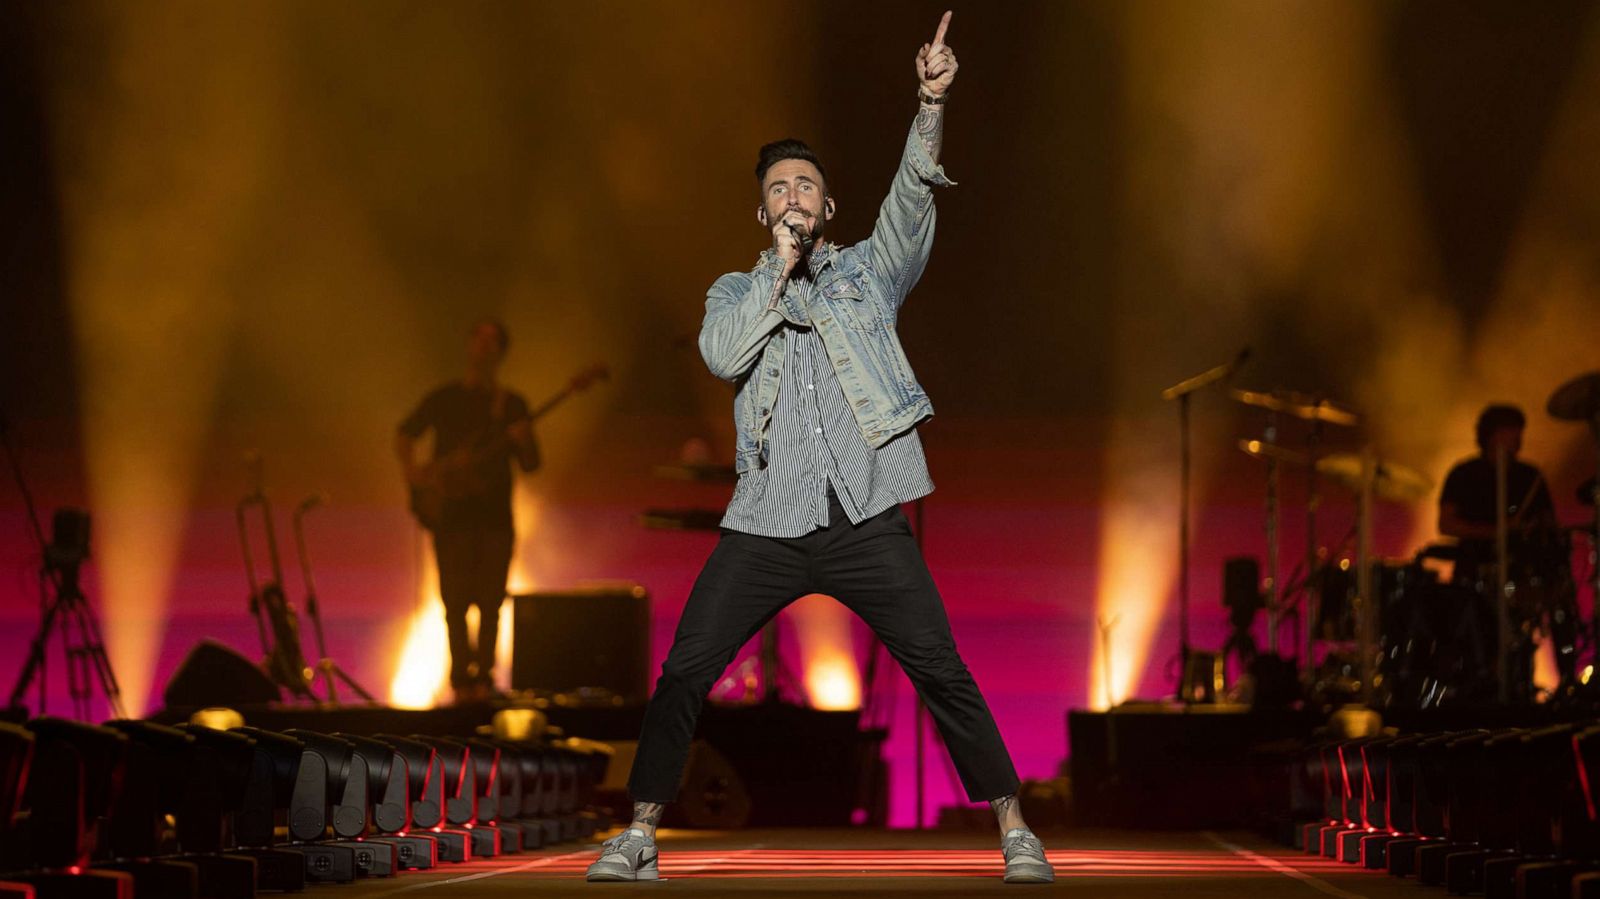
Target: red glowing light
(1583,777)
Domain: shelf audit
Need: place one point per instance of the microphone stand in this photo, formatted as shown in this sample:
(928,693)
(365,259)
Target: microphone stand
(1181,392)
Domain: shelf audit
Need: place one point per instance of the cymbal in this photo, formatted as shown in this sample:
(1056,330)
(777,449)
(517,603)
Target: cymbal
(1576,400)
(1263,450)
(1300,405)
(1391,480)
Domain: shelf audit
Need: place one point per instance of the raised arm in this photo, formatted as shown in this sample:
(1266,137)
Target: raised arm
(903,235)
(936,71)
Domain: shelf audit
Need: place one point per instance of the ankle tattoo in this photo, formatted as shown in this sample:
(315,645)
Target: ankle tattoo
(648,814)
(1007,811)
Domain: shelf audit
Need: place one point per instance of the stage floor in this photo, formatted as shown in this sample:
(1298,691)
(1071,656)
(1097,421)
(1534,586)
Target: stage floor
(1191,865)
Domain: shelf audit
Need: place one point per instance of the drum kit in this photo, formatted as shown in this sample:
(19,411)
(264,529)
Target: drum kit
(1397,633)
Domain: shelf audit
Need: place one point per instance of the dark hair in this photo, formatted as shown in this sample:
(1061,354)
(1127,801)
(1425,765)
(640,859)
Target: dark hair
(499,330)
(1495,417)
(788,148)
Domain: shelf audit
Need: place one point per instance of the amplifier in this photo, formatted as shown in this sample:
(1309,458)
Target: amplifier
(569,640)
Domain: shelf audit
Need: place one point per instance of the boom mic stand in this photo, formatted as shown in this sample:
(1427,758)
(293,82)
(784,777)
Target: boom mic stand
(63,606)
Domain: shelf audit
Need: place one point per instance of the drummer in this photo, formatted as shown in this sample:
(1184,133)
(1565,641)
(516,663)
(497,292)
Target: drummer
(1467,503)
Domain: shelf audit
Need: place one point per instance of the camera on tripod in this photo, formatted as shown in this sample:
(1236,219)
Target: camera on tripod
(69,540)
(67,614)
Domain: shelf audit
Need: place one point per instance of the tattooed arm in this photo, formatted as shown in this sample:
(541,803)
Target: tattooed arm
(929,126)
(903,236)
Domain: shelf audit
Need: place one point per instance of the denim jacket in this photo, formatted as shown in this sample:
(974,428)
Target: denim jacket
(854,307)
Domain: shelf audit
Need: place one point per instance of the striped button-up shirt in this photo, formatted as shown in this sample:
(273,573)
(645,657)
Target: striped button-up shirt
(814,441)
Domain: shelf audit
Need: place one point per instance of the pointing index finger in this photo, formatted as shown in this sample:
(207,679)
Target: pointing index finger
(938,36)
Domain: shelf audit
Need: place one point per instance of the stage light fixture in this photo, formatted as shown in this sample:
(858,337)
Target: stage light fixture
(217,718)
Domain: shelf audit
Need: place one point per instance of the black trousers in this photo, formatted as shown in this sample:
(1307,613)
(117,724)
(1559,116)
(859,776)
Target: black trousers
(473,562)
(876,570)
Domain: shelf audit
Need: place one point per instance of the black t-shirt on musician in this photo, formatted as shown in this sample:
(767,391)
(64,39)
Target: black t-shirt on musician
(467,418)
(1470,489)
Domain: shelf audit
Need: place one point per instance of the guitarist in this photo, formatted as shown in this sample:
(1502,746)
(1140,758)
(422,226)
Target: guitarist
(464,495)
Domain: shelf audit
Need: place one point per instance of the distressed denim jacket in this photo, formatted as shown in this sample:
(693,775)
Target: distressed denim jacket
(856,303)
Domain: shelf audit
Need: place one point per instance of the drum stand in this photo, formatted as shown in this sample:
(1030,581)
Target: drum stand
(1502,576)
(1270,582)
(1182,392)
(1366,607)
(1310,607)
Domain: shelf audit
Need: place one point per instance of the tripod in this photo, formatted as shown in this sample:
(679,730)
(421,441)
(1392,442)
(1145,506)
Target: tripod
(63,607)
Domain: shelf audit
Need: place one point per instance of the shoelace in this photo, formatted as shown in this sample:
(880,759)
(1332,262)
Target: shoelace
(616,843)
(1025,842)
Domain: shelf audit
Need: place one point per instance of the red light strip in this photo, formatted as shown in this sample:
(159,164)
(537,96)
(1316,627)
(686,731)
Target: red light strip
(1583,776)
(1344,772)
(1366,782)
(839,864)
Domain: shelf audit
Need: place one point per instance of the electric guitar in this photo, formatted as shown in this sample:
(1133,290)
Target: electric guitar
(460,472)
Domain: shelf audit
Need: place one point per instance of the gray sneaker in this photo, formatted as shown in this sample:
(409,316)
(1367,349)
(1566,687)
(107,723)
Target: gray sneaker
(1025,861)
(630,855)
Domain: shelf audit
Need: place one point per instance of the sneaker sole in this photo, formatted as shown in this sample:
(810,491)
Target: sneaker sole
(1032,874)
(649,873)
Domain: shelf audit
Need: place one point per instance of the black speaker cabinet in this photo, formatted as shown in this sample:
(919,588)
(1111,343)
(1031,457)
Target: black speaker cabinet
(213,674)
(575,639)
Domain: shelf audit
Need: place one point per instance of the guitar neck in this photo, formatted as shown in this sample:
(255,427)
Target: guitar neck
(544,408)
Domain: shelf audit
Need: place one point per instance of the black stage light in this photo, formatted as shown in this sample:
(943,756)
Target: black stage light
(134,832)
(74,780)
(387,785)
(289,784)
(389,805)
(16,756)
(529,808)
(346,803)
(219,781)
(518,799)
(461,794)
(427,791)
(345,783)
(489,768)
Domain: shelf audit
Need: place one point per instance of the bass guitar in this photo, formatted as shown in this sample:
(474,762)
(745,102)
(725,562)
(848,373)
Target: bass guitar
(461,472)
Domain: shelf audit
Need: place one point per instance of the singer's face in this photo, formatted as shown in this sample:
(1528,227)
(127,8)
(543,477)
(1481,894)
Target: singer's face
(794,188)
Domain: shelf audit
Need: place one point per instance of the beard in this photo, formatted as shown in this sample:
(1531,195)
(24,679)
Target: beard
(810,228)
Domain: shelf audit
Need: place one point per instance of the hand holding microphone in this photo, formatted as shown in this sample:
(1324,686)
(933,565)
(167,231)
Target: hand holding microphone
(790,238)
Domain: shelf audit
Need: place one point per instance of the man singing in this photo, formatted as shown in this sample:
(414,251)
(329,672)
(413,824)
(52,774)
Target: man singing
(827,450)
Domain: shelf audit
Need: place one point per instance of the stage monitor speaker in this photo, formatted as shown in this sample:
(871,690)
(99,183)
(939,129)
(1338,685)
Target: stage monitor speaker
(583,640)
(214,674)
